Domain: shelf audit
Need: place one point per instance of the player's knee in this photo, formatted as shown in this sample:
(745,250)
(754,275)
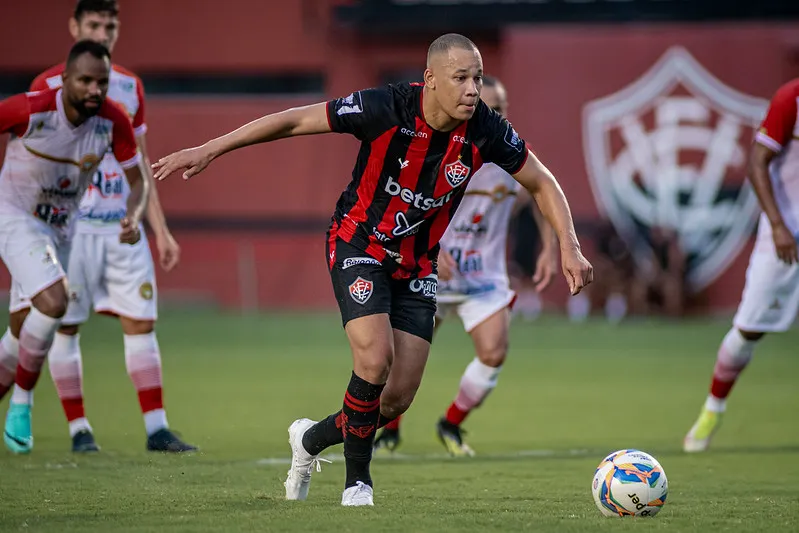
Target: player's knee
(131,326)
(493,354)
(394,405)
(52,301)
(751,335)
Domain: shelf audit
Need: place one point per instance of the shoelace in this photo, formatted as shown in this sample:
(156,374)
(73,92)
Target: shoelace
(317,463)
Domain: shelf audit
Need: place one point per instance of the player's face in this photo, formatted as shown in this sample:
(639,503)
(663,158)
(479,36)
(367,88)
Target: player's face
(101,28)
(496,98)
(86,84)
(456,79)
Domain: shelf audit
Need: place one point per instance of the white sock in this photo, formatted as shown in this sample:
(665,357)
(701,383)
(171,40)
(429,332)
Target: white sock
(578,307)
(716,405)
(78,425)
(155,420)
(35,340)
(9,356)
(143,361)
(22,396)
(616,307)
(477,382)
(66,366)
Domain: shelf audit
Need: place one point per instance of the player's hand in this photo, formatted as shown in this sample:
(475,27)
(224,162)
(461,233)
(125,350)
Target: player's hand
(545,268)
(130,233)
(785,243)
(194,160)
(168,251)
(447,266)
(576,268)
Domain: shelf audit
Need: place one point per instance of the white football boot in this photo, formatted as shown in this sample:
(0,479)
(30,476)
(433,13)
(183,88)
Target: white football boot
(360,494)
(302,463)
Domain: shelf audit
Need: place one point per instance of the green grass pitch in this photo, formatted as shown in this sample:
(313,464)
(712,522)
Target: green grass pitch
(569,394)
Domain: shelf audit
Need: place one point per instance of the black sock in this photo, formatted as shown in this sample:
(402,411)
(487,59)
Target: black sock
(359,418)
(327,432)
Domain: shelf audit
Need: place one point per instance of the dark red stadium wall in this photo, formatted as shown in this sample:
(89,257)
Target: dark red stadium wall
(180,35)
(551,73)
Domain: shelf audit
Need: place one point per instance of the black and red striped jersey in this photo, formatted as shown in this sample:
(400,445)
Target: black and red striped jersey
(409,178)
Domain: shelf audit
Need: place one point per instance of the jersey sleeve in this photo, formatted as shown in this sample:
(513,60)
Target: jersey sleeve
(777,128)
(362,114)
(139,125)
(15,115)
(123,139)
(40,83)
(503,146)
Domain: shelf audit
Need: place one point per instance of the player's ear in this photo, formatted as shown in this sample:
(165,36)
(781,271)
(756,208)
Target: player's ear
(74,27)
(429,79)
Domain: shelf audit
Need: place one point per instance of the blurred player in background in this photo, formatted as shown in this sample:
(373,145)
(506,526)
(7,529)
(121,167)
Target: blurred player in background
(58,138)
(474,284)
(771,295)
(420,144)
(115,279)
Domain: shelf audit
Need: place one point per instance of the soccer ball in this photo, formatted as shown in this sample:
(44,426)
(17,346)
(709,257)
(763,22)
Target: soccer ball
(630,483)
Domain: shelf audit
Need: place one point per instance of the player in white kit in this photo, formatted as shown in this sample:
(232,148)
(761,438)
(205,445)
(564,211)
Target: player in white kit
(58,137)
(474,284)
(116,280)
(771,295)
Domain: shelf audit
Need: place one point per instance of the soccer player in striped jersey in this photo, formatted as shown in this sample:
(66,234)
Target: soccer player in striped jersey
(420,145)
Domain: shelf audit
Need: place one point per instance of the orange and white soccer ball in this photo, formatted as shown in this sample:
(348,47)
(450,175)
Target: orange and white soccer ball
(630,483)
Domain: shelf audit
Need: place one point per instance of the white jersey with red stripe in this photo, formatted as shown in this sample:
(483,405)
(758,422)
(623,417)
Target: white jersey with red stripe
(780,132)
(49,162)
(477,235)
(104,203)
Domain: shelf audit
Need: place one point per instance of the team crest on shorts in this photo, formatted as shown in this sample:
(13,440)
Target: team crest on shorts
(668,154)
(361,290)
(456,172)
(146,290)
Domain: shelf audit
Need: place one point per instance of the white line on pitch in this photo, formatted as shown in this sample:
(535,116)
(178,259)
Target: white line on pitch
(267,461)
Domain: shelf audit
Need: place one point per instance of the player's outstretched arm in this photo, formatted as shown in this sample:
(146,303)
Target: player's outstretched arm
(784,241)
(546,191)
(307,120)
(137,203)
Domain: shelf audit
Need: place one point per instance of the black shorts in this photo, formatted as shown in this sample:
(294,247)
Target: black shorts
(364,287)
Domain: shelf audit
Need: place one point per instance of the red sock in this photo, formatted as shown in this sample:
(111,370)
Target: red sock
(394,424)
(73,408)
(151,399)
(455,415)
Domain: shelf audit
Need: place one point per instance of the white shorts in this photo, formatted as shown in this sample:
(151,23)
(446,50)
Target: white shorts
(34,256)
(771,295)
(109,276)
(473,310)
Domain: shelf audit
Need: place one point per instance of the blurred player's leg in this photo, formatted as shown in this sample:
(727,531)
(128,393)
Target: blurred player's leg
(143,362)
(734,354)
(35,262)
(769,304)
(35,339)
(130,292)
(487,319)
(9,355)
(66,369)
(65,358)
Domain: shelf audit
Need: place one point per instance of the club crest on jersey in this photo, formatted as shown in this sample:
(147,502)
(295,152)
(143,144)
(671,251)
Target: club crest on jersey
(456,173)
(668,152)
(361,290)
